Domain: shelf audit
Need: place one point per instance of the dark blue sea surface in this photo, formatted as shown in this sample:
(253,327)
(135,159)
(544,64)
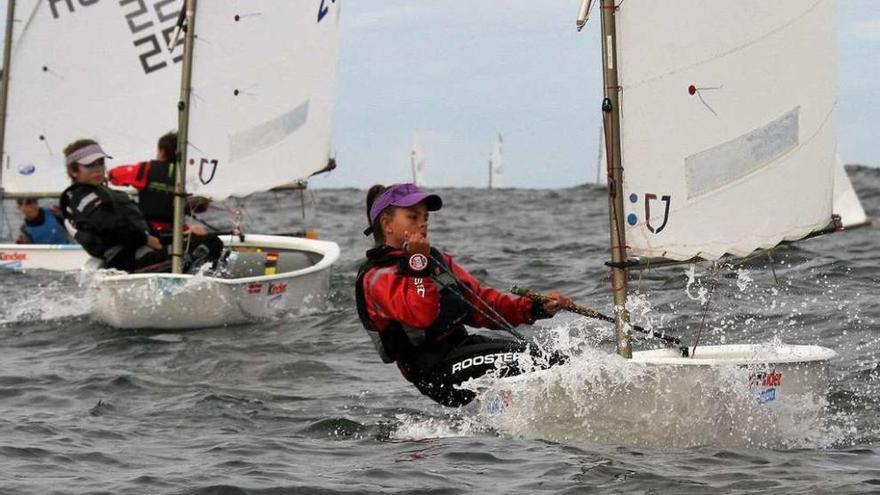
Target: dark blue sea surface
(303,404)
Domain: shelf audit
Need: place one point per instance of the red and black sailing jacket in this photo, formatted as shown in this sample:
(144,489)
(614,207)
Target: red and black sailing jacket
(154,181)
(414,317)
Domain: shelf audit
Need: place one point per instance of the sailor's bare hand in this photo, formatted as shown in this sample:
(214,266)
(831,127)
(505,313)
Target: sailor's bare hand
(154,242)
(416,243)
(556,303)
(198,230)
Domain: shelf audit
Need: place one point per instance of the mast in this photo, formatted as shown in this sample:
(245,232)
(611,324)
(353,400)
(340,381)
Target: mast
(4,92)
(182,137)
(611,123)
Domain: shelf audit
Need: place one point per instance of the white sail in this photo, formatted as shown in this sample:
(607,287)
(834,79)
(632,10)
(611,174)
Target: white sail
(97,71)
(263,93)
(728,133)
(846,202)
(496,163)
(417,163)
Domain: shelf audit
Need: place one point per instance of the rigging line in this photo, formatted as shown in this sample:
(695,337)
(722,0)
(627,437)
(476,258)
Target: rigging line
(772,266)
(713,283)
(497,319)
(735,49)
(465,300)
(27,24)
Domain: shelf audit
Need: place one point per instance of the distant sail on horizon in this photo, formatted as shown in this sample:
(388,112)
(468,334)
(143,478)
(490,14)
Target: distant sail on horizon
(496,163)
(417,163)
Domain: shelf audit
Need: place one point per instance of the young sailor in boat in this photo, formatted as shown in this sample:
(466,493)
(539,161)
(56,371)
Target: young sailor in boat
(414,301)
(108,224)
(154,181)
(41,225)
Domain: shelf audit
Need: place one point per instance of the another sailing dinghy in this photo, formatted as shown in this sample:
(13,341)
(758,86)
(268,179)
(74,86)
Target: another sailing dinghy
(63,82)
(417,163)
(846,203)
(262,96)
(724,116)
(496,163)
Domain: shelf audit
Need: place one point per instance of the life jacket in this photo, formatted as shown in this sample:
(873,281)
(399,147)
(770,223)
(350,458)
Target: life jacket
(106,235)
(49,231)
(417,349)
(156,200)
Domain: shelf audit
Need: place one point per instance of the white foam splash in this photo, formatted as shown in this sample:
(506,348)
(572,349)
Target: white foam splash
(416,428)
(49,301)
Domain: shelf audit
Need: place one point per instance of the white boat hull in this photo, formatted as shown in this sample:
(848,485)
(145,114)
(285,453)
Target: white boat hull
(58,257)
(729,395)
(169,301)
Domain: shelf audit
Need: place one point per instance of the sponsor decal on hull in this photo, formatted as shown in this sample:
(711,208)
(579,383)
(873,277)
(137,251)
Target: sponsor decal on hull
(276,296)
(13,256)
(768,382)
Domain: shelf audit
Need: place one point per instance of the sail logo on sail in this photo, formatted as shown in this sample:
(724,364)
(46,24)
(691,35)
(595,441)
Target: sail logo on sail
(27,169)
(206,177)
(151,23)
(665,201)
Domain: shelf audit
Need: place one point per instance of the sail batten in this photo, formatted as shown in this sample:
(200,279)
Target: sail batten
(727,125)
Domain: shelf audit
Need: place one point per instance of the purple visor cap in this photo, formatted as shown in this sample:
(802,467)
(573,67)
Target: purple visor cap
(404,195)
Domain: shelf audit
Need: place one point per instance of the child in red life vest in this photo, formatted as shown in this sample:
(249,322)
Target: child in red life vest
(414,301)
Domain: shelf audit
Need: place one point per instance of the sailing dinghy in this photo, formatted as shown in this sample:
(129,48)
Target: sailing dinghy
(719,128)
(62,82)
(257,98)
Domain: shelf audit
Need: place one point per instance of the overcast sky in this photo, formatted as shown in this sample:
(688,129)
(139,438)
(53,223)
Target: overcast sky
(453,73)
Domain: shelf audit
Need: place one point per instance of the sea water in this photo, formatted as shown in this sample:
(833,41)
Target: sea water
(303,404)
